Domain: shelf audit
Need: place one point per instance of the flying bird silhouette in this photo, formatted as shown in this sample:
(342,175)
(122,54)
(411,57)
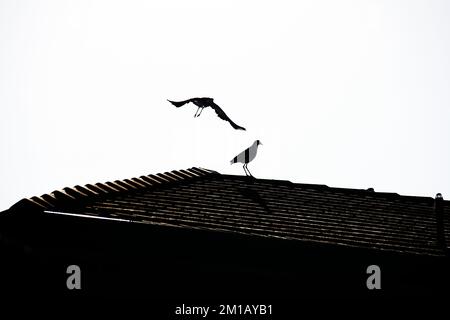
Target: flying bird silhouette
(202,103)
(247,156)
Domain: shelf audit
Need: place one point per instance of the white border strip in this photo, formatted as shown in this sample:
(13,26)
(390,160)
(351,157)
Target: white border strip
(87,216)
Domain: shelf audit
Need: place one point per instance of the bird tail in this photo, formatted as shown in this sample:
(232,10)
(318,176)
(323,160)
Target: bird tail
(178,103)
(234,160)
(235,126)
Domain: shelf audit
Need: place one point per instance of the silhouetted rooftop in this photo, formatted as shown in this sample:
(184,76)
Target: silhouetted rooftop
(203,199)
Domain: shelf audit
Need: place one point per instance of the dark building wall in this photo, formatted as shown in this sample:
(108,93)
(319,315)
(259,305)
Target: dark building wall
(128,260)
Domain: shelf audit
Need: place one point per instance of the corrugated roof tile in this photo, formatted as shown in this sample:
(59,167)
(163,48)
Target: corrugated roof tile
(134,184)
(96,189)
(106,188)
(42,202)
(75,193)
(157,179)
(50,199)
(116,186)
(198,198)
(142,182)
(125,185)
(86,191)
(150,180)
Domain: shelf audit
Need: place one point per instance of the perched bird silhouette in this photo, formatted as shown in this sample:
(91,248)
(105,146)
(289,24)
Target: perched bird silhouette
(246,156)
(202,103)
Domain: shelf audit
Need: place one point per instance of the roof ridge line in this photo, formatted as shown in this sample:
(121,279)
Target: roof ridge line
(369,191)
(69,195)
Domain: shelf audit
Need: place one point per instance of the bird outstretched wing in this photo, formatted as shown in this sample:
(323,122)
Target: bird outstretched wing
(179,103)
(222,115)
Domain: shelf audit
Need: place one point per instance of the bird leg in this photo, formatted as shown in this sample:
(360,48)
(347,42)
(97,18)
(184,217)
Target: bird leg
(245,170)
(196,112)
(248,171)
(201,110)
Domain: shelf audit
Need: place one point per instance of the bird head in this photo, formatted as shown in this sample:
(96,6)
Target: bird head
(258,142)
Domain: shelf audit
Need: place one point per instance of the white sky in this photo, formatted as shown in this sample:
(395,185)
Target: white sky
(343,93)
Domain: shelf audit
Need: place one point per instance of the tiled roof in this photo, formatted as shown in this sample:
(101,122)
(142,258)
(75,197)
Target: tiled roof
(198,198)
